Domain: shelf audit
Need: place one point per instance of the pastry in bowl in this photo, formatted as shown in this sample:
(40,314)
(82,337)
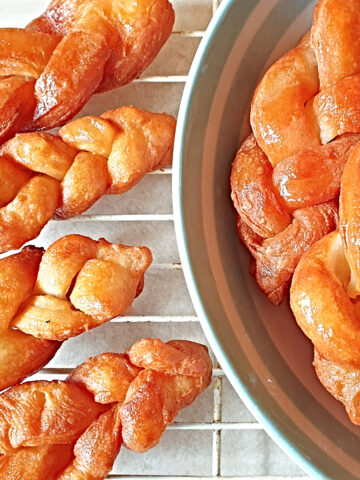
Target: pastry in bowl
(325,297)
(305,122)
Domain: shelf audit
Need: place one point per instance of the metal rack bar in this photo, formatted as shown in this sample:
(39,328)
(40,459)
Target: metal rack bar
(173,477)
(217,427)
(137,217)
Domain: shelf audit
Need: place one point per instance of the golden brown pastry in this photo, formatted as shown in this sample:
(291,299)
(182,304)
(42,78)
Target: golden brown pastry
(305,121)
(63,175)
(325,297)
(50,69)
(75,285)
(274,259)
(174,374)
(108,400)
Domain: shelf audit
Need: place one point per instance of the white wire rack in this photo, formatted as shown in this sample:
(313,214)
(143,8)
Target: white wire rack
(216,437)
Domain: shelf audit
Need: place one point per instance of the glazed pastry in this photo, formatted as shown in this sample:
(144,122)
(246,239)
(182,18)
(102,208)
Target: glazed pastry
(109,400)
(325,297)
(305,122)
(47,297)
(63,175)
(50,69)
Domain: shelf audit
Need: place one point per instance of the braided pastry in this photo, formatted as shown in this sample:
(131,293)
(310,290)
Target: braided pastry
(325,297)
(286,176)
(108,400)
(47,175)
(50,69)
(76,285)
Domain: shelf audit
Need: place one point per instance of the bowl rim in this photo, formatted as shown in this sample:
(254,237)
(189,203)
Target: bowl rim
(182,241)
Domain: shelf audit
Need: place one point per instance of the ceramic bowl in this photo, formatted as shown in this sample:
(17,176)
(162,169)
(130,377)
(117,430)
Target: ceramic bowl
(262,351)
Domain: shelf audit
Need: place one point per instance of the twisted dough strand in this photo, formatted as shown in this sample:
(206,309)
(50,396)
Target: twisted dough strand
(324,297)
(287,169)
(76,285)
(50,69)
(63,175)
(108,400)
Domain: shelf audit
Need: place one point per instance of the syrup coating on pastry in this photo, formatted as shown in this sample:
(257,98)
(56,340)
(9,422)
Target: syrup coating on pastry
(305,122)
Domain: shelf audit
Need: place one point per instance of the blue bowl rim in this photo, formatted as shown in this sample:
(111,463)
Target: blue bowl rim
(180,230)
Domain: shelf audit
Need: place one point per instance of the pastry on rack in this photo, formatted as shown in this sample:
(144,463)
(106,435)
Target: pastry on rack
(62,175)
(305,122)
(325,297)
(47,297)
(109,400)
(51,68)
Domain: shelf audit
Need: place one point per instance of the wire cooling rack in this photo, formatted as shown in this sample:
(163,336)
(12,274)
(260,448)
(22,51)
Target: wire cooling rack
(216,437)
